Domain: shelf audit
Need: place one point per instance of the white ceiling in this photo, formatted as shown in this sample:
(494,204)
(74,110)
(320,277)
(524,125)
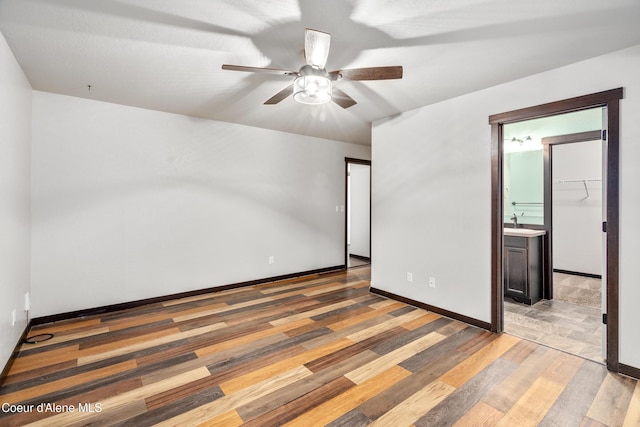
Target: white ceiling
(166,54)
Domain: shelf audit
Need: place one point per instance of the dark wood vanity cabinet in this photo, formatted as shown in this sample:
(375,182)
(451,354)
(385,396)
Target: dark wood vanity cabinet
(523,268)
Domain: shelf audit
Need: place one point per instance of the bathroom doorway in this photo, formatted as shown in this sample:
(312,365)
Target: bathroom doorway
(553,192)
(500,267)
(358,213)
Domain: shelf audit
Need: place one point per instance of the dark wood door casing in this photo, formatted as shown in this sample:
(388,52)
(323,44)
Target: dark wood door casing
(609,99)
(547,144)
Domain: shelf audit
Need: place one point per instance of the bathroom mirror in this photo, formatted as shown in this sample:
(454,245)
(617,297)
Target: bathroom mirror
(524,187)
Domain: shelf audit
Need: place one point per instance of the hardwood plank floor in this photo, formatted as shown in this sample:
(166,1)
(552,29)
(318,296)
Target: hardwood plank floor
(312,351)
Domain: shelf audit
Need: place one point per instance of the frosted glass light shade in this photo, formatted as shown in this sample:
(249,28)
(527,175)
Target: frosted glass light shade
(312,89)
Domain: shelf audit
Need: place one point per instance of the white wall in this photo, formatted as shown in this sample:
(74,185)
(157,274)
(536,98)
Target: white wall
(15,150)
(360,191)
(130,203)
(432,194)
(577,219)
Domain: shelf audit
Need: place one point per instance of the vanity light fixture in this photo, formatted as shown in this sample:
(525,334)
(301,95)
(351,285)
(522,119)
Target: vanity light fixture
(521,140)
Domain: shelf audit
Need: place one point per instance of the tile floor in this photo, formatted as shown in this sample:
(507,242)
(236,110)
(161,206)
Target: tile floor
(356,262)
(571,322)
(577,290)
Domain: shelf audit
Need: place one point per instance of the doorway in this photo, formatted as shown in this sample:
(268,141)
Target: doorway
(610,101)
(358,213)
(553,185)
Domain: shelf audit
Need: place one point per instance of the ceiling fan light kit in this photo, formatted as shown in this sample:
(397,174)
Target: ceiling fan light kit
(312,87)
(313,84)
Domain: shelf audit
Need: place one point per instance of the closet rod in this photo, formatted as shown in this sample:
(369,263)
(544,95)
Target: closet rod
(564,181)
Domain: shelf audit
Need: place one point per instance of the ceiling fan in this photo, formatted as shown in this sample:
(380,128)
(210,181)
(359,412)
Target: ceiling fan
(313,83)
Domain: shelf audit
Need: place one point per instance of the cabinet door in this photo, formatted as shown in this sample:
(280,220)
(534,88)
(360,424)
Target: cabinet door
(515,272)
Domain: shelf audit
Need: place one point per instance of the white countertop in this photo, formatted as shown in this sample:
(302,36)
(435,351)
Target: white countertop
(523,232)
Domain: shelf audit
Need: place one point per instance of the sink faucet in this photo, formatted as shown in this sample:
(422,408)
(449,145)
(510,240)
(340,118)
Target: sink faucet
(514,218)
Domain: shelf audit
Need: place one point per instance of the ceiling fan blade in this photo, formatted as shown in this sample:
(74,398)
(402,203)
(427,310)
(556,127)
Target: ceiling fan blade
(259,70)
(371,73)
(280,95)
(341,98)
(316,47)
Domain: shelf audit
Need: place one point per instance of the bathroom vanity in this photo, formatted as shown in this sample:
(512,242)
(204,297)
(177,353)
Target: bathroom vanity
(523,273)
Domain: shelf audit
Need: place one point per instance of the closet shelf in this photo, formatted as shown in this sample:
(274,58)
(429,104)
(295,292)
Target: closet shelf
(583,181)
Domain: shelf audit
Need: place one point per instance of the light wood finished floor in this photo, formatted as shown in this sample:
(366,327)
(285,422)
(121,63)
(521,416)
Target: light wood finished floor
(314,351)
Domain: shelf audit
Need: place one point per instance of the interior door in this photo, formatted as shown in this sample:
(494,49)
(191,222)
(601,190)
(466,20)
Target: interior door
(604,234)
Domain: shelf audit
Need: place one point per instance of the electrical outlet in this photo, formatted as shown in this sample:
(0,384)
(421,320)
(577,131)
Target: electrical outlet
(272,259)
(409,277)
(13,317)
(432,282)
